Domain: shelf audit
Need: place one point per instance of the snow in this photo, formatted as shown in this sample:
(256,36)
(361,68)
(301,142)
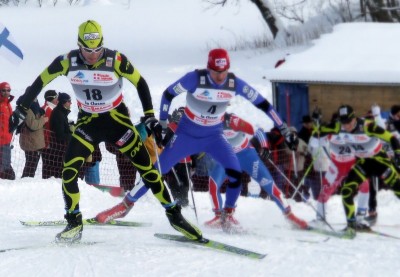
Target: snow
(353,52)
(164,41)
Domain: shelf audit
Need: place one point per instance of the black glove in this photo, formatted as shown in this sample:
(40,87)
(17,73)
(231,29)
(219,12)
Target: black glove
(396,158)
(227,120)
(154,127)
(291,138)
(16,119)
(265,154)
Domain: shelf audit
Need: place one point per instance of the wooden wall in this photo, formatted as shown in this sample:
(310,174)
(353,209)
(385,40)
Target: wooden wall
(361,98)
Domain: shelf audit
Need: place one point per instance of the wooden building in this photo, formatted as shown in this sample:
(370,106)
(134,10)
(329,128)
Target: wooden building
(357,64)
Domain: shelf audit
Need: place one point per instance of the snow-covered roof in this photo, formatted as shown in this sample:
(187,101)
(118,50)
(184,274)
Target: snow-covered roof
(367,53)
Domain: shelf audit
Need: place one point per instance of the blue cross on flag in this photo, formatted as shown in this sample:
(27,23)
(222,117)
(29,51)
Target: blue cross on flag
(8,48)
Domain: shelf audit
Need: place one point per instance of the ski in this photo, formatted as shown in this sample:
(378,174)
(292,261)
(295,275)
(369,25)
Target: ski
(213,245)
(332,233)
(89,221)
(378,233)
(51,244)
(343,235)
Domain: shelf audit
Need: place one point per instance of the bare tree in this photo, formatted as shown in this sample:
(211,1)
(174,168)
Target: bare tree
(381,10)
(275,25)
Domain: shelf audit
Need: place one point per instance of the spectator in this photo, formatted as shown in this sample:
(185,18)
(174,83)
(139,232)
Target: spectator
(306,129)
(296,168)
(6,170)
(60,136)
(51,101)
(278,156)
(31,139)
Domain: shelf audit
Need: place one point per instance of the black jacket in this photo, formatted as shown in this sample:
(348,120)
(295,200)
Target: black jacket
(59,124)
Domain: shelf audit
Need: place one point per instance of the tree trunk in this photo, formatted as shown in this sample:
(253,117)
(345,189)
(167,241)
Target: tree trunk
(268,16)
(379,11)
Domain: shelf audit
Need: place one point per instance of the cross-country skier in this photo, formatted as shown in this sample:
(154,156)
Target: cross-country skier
(96,74)
(247,149)
(208,93)
(362,137)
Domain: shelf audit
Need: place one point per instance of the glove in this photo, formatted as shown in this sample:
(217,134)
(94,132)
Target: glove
(177,115)
(16,119)
(265,154)
(291,138)
(397,158)
(227,120)
(153,126)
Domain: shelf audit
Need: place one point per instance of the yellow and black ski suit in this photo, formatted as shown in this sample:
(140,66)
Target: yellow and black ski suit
(103,116)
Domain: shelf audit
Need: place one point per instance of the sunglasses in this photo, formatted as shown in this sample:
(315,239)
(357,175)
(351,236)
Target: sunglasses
(92,50)
(6,90)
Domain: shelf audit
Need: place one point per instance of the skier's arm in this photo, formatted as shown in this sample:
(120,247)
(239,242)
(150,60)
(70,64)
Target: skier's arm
(325,130)
(186,84)
(124,68)
(372,129)
(238,124)
(251,94)
(59,66)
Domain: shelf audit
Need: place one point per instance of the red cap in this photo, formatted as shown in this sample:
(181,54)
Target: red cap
(218,60)
(4,85)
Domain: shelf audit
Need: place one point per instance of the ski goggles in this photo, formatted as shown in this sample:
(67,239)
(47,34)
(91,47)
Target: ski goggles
(92,50)
(6,90)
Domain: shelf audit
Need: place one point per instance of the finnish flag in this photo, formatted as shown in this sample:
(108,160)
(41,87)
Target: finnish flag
(8,48)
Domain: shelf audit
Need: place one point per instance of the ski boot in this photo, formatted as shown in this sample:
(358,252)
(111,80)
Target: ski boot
(229,223)
(350,231)
(371,218)
(215,222)
(73,230)
(118,211)
(179,223)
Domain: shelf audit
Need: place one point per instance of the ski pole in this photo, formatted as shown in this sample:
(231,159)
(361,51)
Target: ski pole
(301,183)
(301,194)
(176,177)
(191,190)
(294,159)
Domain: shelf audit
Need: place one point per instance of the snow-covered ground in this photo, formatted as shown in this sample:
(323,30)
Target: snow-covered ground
(164,40)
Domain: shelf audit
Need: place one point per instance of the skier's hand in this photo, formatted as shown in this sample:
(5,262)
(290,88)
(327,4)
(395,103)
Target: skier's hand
(265,154)
(16,119)
(154,127)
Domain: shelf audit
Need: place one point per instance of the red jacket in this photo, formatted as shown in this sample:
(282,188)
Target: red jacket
(48,109)
(5,114)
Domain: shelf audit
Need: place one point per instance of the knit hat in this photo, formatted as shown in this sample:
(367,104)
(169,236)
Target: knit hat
(4,85)
(218,60)
(50,95)
(64,97)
